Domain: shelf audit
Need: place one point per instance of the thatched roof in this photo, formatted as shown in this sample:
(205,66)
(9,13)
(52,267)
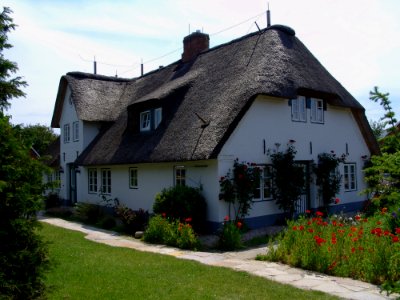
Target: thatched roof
(217,87)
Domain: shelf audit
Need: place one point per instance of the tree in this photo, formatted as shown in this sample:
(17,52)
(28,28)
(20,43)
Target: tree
(382,173)
(391,142)
(37,136)
(23,254)
(9,88)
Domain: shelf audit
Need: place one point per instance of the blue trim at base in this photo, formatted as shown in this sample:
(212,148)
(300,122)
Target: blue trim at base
(279,219)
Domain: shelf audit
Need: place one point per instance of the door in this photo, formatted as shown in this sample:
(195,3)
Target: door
(72,183)
(303,203)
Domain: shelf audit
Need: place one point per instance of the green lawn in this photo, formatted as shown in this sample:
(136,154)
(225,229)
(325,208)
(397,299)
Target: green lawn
(84,269)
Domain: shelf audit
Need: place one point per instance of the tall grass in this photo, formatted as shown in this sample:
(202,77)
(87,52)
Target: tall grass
(360,248)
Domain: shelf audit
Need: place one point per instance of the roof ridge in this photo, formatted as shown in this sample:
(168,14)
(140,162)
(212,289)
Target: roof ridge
(84,75)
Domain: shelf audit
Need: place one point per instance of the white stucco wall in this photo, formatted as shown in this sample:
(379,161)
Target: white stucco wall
(71,150)
(152,178)
(269,120)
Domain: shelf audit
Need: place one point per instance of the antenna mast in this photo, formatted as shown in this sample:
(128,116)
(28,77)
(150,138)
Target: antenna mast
(95,66)
(268,17)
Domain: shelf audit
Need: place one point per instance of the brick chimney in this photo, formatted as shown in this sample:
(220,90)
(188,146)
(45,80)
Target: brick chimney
(193,44)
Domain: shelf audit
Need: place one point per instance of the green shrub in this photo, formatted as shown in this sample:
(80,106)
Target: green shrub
(107,222)
(230,237)
(132,220)
(52,200)
(157,230)
(172,233)
(182,202)
(88,212)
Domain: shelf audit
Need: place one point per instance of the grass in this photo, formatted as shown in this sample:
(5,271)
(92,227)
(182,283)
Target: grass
(84,269)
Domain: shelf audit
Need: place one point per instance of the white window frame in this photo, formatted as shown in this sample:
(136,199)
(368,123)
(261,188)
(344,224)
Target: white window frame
(133,178)
(317,110)
(266,182)
(180,176)
(145,120)
(106,181)
(299,109)
(349,177)
(157,117)
(92,180)
(67,133)
(75,131)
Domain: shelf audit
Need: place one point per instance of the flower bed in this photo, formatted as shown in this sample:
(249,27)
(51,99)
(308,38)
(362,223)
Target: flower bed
(360,248)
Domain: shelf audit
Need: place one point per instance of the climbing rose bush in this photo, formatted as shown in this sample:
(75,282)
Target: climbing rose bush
(360,248)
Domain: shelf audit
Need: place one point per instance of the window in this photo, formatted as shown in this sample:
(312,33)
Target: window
(67,136)
(92,179)
(106,181)
(150,119)
(75,131)
(133,178)
(317,111)
(157,117)
(145,121)
(180,176)
(57,179)
(350,179)
(299,112)
(264,191)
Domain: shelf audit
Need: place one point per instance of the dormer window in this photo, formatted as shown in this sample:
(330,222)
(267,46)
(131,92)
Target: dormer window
(150,119)
(145,121)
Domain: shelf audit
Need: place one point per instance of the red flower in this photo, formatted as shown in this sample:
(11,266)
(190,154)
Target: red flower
(188,220)
(334,223)
(337,200)
(334,240)
(294,228)
(239,225)
(319,240)
(319,214)
(310,230)
(163,214)
(379,222)
(397,230)
(353,250)
(358,218)
(377,231)
(301,227)
(226,218)
(395,239)
(332,265)
(308,211)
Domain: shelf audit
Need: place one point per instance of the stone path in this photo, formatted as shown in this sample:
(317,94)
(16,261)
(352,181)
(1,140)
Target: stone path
(242,261)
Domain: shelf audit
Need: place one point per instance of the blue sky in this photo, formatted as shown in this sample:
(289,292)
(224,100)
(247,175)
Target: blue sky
(358,41)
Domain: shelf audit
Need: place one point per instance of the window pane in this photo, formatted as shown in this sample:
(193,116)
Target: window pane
(157,117)
(145,120)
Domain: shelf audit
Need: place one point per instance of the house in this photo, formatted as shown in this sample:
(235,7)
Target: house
(52,155)
(187,122)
